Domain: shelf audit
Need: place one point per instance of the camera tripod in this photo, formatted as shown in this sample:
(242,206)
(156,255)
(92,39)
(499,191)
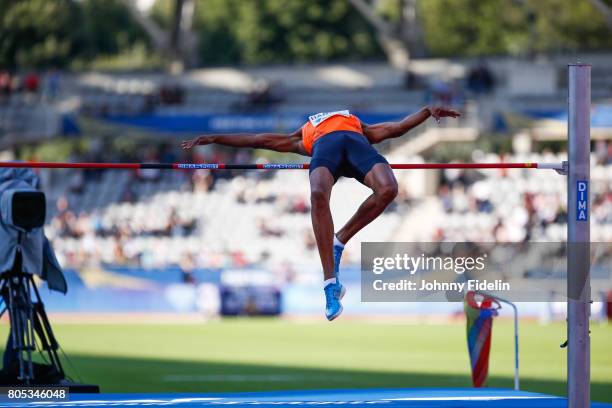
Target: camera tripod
(28,322)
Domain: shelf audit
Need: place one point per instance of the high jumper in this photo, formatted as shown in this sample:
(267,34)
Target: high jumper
(340,145)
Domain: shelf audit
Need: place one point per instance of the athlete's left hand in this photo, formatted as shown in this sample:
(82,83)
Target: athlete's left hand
(438,112)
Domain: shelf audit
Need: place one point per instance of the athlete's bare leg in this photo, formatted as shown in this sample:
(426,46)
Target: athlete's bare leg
(321,183)
(384,190)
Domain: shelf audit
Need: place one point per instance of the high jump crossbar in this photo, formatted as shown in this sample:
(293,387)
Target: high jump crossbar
(269,166)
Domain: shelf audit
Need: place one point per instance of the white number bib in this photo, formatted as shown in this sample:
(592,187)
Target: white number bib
(319,118)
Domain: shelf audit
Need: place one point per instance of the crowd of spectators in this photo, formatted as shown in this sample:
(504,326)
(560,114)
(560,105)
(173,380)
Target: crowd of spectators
(31,85)
(515,206)
(109,223)
(155,211)
(115,228)
(286,203)
(114,234)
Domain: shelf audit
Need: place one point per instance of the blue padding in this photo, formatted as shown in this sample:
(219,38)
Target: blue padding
(228,123)
(601,115)
(391,398)
(167,275)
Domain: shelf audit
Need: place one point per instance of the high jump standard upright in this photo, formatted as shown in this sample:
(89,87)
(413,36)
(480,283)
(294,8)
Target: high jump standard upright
(578,236)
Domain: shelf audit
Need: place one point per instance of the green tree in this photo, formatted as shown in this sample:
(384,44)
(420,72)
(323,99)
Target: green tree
(215,22)
(281,31)
(110,28)
(486,27)
(576,25)
(473,27)
(43,33)
(277,31)
(39,33)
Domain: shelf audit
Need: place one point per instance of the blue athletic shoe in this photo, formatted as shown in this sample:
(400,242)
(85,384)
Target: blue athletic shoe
(334,292)
(337,257)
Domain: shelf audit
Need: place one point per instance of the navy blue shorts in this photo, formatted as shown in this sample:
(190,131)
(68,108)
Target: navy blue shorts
(345,154)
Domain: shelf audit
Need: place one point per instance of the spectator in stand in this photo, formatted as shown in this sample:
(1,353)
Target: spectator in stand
(60,217)
(167,153)
(603,152)
(480,79)
(299,205)
(187,265)
(17,83)
(411,81)
(172,94)
(445,92)
(265,230)
(266,94)
(238,259)
(52,84)
(31,83)
(309,240)
(152,175)
(6,86)
(77,182)
(202,180)
(441,92)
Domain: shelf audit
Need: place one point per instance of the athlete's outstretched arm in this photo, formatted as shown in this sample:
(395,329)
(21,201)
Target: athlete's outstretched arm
(286,143)
(381,131)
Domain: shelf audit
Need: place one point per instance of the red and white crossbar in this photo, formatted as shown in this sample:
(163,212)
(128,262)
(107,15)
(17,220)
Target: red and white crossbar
(268,166)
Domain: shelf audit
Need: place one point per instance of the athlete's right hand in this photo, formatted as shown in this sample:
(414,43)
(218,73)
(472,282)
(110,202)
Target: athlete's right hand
(190,144)
(438,112)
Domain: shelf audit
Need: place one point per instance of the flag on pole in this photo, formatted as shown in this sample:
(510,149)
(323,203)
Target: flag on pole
(479,310)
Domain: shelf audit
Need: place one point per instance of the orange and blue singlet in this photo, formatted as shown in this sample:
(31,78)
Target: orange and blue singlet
(335,140)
